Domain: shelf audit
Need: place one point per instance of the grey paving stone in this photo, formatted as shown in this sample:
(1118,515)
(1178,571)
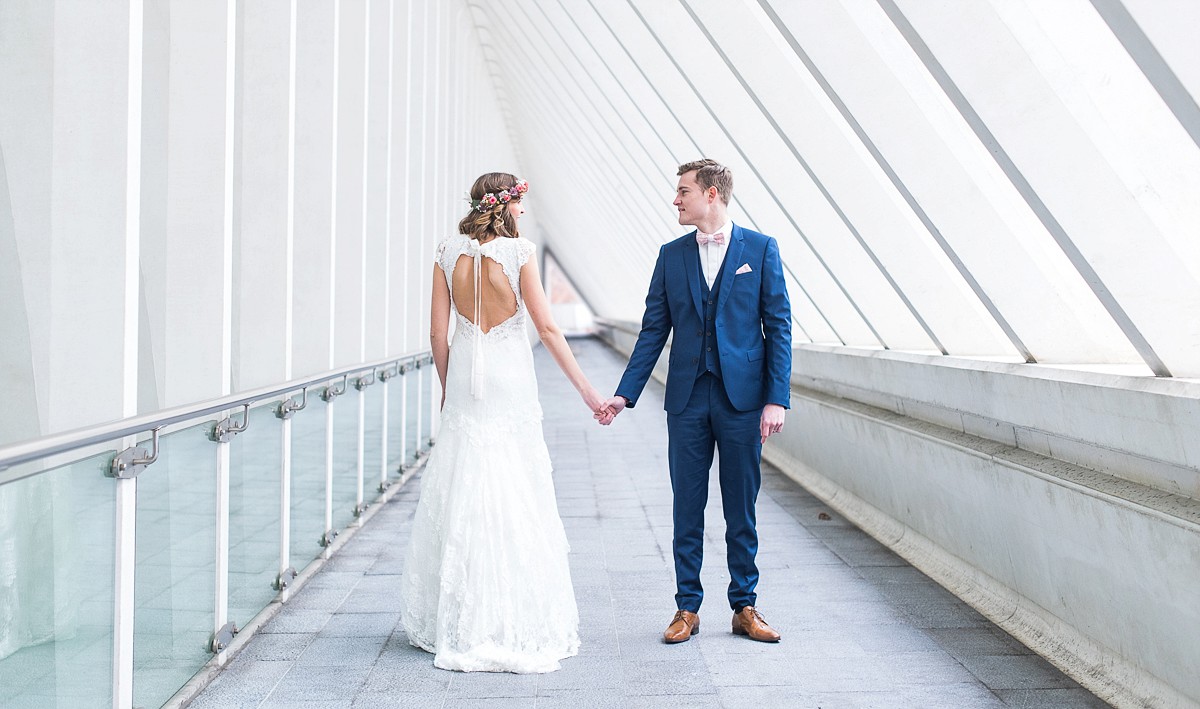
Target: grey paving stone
(318,599)
(371,602)
(554,698)
(475,685)
(1051,699)
(246,683)
(275,646)
(361,624)
(1017,672)
(977,641)
(388,677)
(334,651)
(666,677)
(297,621)
(319,683)
(395,700)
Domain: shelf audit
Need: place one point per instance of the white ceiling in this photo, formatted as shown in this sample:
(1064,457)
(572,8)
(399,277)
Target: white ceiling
(1011,179)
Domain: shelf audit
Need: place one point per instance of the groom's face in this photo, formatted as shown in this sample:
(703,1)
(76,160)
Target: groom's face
(693,202)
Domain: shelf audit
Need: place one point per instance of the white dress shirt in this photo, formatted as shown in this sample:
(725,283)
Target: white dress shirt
(712,254)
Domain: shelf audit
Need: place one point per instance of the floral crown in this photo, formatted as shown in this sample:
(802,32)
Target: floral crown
(491,199)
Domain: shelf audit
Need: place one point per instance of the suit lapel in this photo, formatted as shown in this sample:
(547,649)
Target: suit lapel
(732,260)
(691,262)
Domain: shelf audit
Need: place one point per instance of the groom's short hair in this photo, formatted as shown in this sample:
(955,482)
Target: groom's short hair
(710,173)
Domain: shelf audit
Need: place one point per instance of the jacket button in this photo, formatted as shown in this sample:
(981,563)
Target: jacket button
(708,348)
(695,360)
(708,333)
(699,333)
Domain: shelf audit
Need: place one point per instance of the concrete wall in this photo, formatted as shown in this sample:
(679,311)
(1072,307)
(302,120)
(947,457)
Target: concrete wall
(1063,505)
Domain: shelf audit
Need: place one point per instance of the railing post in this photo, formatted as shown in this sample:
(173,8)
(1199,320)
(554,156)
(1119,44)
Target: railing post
(403,423)
(417,452)
(125,468)
(285,514)
(331,393)
(221,625)
(285,411)
(359,506)
(123,590)
(222,434)
(327,540)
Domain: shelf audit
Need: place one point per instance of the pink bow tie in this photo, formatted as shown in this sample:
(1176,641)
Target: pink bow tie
(702,238)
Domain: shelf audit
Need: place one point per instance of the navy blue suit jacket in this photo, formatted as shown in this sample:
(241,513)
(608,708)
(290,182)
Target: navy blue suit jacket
(753,324)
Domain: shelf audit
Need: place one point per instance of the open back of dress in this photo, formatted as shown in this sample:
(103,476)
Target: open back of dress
(497,301)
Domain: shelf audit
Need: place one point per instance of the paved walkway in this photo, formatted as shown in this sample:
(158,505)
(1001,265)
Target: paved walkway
(861,628)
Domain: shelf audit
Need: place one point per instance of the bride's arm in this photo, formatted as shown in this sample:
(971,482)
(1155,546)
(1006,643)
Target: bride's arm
(439,325)
(552,337)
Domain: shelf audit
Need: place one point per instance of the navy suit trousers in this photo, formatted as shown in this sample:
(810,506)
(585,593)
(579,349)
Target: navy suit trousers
(710,419)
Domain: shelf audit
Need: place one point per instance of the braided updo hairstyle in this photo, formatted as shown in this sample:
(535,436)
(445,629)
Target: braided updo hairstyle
(495,221)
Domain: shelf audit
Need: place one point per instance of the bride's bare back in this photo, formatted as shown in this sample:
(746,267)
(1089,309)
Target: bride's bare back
(499,302)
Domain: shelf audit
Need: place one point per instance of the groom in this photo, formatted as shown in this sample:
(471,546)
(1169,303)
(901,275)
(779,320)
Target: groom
(721,290)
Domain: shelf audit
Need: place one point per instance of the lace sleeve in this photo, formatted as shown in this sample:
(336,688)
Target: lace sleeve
(442,255)
(525,249)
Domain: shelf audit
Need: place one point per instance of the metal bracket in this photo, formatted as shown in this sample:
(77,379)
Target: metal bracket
(360,509)
(288,407)
(223,637)
(418,363)
(328,537)
(362,382)
(432,442)
(388,373)
(383,486)
(131,461)
(284,578)
(225,429)
(404,369)
(332,392)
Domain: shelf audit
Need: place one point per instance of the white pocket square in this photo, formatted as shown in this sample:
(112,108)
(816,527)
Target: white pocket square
(744,269)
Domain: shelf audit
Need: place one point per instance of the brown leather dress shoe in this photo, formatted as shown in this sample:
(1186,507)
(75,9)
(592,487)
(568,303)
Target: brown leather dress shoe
(682,627)
(751,623)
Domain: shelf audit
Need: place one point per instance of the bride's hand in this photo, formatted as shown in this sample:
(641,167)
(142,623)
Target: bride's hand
(598,405)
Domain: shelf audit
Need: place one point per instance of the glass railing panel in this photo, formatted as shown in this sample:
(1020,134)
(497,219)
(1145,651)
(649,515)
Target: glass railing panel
(56,587)
(255,457)
(412,433)
(345,458)
(396,430)
(176,565)
(373,442)
(308,482)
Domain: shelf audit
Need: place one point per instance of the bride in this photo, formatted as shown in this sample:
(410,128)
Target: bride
(486,585)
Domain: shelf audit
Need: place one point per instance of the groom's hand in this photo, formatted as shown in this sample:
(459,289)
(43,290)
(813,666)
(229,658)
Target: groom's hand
(612,406)
(771,421)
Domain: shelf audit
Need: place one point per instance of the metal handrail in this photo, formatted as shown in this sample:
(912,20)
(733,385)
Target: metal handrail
(67,441)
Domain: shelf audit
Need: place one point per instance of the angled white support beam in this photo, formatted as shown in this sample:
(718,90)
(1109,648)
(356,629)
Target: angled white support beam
(765,185)
(1024,188)
(1152,64)
(901,188)
(812,176)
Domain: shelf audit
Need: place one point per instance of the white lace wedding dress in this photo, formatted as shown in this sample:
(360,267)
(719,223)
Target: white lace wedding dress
(486,585)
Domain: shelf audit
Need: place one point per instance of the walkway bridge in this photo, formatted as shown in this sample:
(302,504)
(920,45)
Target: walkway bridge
(217,222)
(862,627)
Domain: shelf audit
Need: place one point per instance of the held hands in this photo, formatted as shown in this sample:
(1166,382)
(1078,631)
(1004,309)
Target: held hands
(612,407)
(602,409)
(771,421)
